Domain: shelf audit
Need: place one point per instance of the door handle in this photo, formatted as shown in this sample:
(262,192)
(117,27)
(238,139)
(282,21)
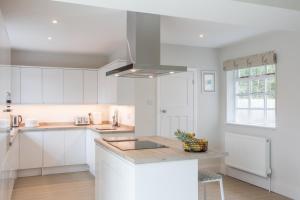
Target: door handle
(163,111)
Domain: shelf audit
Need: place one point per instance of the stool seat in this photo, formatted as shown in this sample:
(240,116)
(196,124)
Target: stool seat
(208,176)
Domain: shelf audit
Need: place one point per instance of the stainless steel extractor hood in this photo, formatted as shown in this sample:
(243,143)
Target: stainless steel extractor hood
(143,36)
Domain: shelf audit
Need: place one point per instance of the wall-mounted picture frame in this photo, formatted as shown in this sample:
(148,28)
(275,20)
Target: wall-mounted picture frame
(208,81)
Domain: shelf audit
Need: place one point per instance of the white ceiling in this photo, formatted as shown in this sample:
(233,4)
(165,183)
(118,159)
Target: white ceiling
(95,30)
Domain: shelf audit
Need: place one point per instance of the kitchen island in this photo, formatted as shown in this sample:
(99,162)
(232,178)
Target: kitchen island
(147,174)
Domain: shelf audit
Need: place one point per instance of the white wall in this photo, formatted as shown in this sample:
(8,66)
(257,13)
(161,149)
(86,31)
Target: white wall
(57,59)
(208,104)
(285,138)
(4,43)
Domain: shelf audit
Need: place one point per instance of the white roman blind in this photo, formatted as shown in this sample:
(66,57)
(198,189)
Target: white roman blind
(267,58)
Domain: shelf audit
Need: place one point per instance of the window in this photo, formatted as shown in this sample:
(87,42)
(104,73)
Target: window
(252,96)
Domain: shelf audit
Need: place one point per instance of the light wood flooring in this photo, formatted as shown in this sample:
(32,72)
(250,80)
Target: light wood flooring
(80,186)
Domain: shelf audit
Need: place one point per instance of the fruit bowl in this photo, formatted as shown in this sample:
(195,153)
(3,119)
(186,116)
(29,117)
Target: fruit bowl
(191,143)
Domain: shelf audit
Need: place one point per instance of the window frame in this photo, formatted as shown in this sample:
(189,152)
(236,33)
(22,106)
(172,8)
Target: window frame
(233,96)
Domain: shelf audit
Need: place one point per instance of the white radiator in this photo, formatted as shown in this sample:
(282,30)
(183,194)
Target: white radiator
(248,153)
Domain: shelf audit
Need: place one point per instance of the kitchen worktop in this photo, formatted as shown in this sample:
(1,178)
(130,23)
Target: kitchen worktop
(70,125)
(175,151)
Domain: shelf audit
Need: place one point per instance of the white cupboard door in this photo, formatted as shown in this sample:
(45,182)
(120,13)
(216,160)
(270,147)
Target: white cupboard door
(53,85)
(75,147)
(54,148)
(5,84)
(90,150)
(31,85)
(73,86)
(90,86)
(16,85)
(31,150)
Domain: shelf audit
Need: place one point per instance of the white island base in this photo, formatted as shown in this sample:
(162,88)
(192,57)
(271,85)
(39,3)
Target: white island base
(119,179)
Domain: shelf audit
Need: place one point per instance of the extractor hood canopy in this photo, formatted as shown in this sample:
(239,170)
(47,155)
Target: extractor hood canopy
(143,37)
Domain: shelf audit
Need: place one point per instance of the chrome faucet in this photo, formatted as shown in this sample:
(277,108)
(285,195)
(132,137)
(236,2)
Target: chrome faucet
(115,119)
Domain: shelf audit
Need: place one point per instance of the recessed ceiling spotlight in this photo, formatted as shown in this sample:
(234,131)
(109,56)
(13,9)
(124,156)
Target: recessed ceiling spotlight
(54,21)
(117,75)
(171,72)
(49,38)
(201,36)
(133,70)
(150,76)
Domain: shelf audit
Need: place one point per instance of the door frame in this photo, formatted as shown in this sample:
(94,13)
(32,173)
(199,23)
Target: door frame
(195,110)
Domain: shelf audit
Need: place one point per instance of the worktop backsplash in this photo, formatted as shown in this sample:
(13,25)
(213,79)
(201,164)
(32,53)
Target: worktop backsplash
(66,113)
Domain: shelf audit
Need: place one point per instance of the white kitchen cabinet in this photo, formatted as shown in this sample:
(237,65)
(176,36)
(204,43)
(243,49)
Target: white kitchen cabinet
(90,150)
(5,82)
(90,78)
(73,86)
(31,150)
(115,90)
(53,85)
(54,148)
(16,85)
(31,85)
(75,147)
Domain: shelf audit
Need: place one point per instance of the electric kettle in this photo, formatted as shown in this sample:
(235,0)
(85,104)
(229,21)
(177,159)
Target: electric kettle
(16,120)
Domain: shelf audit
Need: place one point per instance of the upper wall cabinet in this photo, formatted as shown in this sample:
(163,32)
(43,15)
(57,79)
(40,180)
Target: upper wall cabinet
(5,82)
(73,86)
(115,90)
(90,82)
(31,85)
(16,85)
(53,80)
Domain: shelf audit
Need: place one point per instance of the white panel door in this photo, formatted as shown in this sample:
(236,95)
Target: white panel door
(176,103)
(73,86)
(75,149)
(31,85)
(31,150)
(90,86)
(16,85)
(54,148)
(5,83)
(53,85)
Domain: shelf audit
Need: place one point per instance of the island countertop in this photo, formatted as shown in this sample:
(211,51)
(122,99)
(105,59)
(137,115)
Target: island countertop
(174,152)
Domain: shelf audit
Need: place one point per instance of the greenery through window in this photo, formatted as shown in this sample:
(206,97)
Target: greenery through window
(255,95)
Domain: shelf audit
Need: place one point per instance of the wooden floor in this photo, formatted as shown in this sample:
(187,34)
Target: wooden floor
(80,186)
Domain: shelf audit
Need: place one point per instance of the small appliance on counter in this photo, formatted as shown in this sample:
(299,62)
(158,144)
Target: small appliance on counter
(81,121)
(16,120)
(31,123)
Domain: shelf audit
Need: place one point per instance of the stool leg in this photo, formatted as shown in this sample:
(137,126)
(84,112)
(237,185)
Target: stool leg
(204,191)
(222,189)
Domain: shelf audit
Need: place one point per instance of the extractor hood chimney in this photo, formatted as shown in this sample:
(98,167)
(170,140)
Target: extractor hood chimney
(143,36)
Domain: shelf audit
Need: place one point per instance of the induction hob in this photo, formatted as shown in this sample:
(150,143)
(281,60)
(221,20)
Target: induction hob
(136,145)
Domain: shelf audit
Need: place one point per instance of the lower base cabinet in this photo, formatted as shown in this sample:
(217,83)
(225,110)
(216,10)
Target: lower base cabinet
(75,147)
(8,170)
(54,148)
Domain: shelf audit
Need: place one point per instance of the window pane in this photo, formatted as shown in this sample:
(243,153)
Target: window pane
(270,86)
(271,102)
(256,71)
(257,86)
(257,116)
(242,102)
(242,87)
(271,69)
(271,116)
(244,72)
(257,101)
(242,116)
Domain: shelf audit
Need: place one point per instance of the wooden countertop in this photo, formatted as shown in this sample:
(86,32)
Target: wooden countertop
(69,125)
(175,151)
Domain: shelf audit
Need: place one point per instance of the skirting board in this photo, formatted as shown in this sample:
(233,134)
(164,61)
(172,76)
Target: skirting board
(52,170)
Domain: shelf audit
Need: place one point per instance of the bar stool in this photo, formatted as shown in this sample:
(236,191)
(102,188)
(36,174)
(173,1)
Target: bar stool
(205,177)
